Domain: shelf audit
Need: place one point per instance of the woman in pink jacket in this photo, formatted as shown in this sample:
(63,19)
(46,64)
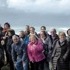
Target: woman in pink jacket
(36,53)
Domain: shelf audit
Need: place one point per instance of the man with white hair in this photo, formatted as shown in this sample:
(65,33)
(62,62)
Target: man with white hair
(19,54)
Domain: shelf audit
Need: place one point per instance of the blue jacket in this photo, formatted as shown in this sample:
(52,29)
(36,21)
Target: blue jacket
(26,40)
(19,52)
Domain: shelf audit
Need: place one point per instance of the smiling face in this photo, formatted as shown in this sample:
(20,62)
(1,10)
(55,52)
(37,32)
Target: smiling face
(15,39)
(32,30)
(6,26)
(21,34)
(43,34)
(62,36)
(32,38)
(53,32)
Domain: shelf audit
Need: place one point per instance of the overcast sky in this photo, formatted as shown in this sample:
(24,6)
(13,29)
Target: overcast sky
(35,12)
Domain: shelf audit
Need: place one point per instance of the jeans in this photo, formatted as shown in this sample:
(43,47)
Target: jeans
(26,65)
(18,66)
(50,66)
(22,65)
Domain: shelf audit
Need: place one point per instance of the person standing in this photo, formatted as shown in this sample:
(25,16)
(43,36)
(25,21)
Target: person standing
(61,53)
(1,54)
(47,46)
(23,37)
(68,39)
(27,30)
(35,53)
(9,48)
(19,53)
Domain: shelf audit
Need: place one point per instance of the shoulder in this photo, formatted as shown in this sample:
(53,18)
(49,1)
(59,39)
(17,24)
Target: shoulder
(49,37)
(23,44)
(29,44)
(27,36)
(13,46)
(67,43)
(68,39)
(40,41)
(56,43)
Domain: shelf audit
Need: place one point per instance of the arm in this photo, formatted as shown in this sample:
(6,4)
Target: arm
(29,54)
(54,49)
(66,55)
(40,47)
(24,47)
(14,55)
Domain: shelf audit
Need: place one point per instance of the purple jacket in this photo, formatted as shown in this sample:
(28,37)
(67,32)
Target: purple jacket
(35,51)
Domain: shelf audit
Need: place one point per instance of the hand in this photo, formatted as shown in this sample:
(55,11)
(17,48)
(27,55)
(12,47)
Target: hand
(2,42)
(5,37)
(64,58)
(15,64)
(43,51)
(61,59)
(32,61)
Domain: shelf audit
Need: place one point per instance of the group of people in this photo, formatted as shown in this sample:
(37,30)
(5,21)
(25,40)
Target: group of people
(30,50)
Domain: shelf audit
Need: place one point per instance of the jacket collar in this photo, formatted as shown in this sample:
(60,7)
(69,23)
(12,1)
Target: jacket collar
(62,43)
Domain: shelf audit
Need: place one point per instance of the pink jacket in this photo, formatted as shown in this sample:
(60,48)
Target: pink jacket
(35,51)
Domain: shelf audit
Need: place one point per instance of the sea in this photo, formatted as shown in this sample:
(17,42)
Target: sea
(37,29)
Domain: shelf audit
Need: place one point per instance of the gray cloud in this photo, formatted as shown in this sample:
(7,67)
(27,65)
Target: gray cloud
(3,3)
(37,16)
(35,19)
(41,6)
